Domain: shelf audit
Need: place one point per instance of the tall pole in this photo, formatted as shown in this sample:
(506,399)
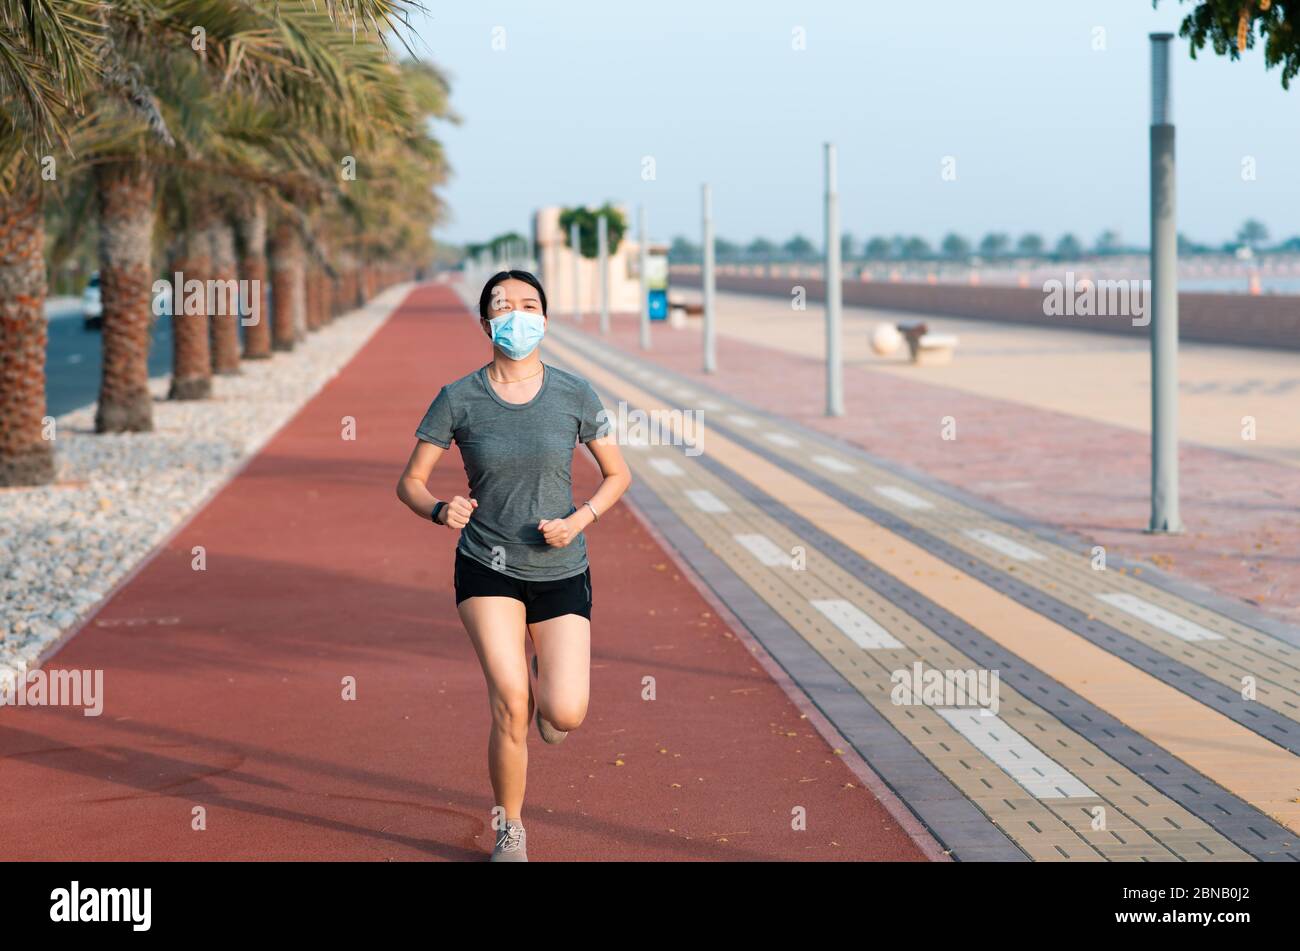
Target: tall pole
(644,255)
(1164,297)
(710,329)
(577,263)
(602,261)
(834,319)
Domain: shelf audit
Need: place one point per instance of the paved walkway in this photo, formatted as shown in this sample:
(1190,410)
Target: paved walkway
(1038,424)
(224,686)
(1105,378)
(1122,730)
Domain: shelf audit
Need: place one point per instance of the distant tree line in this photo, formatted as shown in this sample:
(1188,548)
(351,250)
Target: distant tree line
(954,247)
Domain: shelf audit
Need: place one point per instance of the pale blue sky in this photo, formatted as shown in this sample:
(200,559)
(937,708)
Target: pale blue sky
(1048,134)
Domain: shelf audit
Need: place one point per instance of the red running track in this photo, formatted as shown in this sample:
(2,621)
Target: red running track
(315,573)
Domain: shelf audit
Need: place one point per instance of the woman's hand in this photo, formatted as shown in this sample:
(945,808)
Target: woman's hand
(558,532)
(458,511)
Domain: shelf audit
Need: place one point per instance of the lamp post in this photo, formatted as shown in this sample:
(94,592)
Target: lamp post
(707,282)
(834,318)
(1165,518)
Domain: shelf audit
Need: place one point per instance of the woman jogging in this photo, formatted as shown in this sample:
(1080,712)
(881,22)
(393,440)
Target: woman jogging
(521,562)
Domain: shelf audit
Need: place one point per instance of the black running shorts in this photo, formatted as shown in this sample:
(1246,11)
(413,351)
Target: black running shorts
(542,600)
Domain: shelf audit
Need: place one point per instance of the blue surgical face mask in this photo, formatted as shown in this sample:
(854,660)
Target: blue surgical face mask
(517,333)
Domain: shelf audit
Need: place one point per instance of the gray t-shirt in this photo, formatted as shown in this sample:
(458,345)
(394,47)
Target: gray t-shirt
(518,458)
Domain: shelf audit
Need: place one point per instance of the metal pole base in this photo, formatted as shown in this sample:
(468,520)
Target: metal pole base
(1175,529)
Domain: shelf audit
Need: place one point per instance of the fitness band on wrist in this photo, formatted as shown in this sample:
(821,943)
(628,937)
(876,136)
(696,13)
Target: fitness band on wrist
(594,516)
(437,510)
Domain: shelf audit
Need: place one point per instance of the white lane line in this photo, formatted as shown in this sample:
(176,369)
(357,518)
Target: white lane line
(764,549)
(781,439)
(710,405)
(1008,546)
(744,421)
(903,497)
(834,464)
(706,501)
(1039,774)
(1157,616)
(860,627)
(667,467)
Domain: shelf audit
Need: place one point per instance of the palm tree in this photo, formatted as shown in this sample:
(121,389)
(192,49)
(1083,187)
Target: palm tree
(161,112)
(250,226)
(259,54)
(223,308)
(190,258)
(126,211)
(46,60)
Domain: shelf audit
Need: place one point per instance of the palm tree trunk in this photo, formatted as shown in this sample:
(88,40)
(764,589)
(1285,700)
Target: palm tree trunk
(312,287)
(191,355)
(223,310)
(286,284)
(326,285)
(125,192)
(26,457)
(250,226)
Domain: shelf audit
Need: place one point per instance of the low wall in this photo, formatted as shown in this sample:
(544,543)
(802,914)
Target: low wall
(1261,321)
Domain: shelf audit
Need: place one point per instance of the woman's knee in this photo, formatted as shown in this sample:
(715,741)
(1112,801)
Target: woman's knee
(566,715)
(510,713)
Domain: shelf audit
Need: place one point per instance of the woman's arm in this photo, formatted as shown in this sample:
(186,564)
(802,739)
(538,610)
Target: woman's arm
(616,478)
(412,490)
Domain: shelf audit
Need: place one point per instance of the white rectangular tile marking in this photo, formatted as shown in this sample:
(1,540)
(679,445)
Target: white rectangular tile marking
(857,624)
(1042,776)
(1007,546)
(667,467)
(765,550)
(706,501)
(1157,616)
(834,464)
(903,497)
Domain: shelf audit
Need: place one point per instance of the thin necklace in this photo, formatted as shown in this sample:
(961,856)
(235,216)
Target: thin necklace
(520,380)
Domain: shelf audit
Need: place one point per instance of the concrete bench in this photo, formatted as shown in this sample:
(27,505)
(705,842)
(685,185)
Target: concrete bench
(679,310)
(927,349)
(691,310)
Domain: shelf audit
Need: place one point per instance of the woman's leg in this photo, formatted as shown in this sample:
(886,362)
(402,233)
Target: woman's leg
(563,647)
(497,628)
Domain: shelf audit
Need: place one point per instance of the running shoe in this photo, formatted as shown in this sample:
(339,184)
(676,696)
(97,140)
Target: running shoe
(512,843)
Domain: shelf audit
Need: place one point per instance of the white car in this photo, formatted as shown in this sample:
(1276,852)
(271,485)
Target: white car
(92,307)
